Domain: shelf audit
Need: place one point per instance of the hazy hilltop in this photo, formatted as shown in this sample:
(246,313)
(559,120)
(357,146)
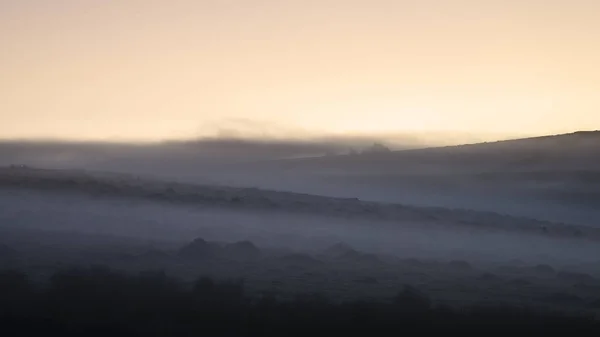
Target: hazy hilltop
(221,150)
(568,151)
(347,154)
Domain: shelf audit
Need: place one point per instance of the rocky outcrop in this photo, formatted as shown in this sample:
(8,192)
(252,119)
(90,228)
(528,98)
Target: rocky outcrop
(241,250)
(202,249)
(198,249)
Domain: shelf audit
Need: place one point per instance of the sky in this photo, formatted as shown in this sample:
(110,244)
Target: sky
(154,70)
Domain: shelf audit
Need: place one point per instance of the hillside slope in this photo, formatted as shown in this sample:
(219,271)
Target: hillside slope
(575,151)
(128,186)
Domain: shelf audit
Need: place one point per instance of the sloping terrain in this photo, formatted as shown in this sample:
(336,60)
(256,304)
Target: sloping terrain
(127,186)
(576,151)
(553,178)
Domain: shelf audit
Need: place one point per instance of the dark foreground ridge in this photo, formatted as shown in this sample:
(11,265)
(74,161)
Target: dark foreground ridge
(99,302)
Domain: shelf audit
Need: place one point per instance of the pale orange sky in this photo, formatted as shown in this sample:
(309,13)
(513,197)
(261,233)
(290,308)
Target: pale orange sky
(149,69)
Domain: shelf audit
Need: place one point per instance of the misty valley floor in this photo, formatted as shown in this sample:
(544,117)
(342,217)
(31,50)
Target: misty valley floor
(281,245)
(340,272)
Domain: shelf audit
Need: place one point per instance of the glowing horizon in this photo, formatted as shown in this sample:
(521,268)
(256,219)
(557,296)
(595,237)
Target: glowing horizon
(152,70)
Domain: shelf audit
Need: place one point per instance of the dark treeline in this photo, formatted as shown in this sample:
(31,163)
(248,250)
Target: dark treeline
(100,302)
